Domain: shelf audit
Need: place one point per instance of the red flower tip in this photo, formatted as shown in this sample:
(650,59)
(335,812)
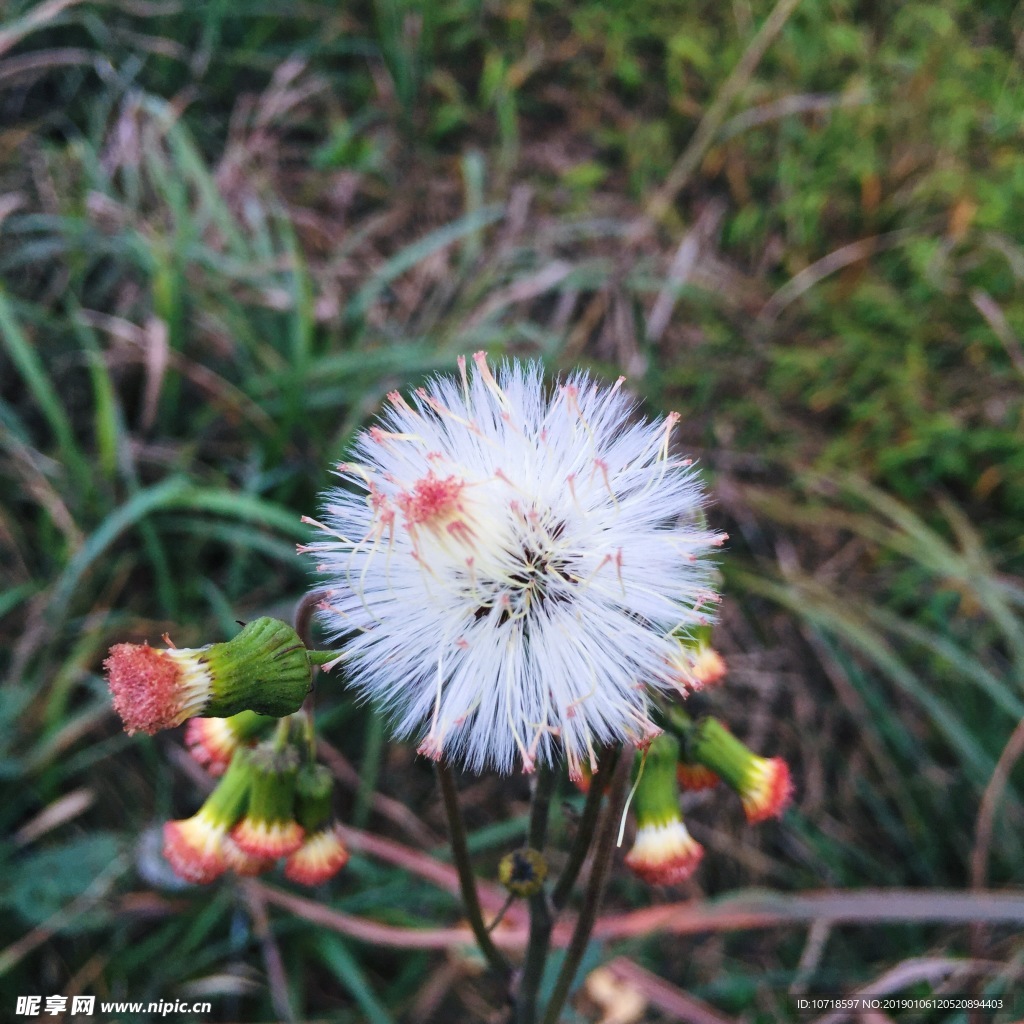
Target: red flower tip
(146,686)
(212,742)
(268,839)
(768,789)
(664,854)
(194,847)
(321,856)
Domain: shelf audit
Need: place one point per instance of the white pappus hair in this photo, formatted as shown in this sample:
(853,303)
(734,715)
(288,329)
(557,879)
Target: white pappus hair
(509,565)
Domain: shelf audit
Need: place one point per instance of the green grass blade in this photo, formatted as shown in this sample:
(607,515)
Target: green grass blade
(33,372)
(335,955)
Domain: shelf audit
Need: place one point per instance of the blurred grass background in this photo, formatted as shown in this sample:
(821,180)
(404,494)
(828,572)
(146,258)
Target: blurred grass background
(226,231)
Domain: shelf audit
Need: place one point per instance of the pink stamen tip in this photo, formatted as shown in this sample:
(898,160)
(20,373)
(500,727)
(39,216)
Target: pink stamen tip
(430,748)
(431,499)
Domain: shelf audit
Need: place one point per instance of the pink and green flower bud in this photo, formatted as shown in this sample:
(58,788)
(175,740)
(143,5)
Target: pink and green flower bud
(269,828)
(763,784)
(194,847)
(664,852)
(265,669)
(696,665)
(213,741)
(322,853)
(320,857)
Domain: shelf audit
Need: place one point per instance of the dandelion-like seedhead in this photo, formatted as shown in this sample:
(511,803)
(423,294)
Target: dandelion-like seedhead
(510,565)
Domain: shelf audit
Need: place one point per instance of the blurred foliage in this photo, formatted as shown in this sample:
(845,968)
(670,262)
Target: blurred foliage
(226,232)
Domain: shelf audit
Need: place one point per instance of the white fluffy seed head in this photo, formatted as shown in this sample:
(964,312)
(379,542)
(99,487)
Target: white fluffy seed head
(509,565)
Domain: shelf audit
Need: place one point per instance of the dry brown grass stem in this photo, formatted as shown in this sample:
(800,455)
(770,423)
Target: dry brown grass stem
(36,18)
(277,980)
(872,908)
(863,906)
(844,256)
(704,135)
(990,802)
(985,825)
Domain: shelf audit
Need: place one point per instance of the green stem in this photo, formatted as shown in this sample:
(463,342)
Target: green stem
(304,723)
(283,732)
(322,657)
(604,853)
(585,832)
(541,919)
(464,867)
(678,721)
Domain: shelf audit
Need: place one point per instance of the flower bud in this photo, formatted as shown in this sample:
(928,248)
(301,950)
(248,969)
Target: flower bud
(322,853)
(269,828)
(194,847)
(664,852)
(265,669)
(523,871)
(763,784)
(696,666)
(213,741)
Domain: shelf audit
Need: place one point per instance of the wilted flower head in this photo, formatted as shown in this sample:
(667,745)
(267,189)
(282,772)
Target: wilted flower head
(510,565)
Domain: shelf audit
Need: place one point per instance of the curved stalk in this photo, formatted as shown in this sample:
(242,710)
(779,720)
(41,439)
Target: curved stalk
(464,867)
